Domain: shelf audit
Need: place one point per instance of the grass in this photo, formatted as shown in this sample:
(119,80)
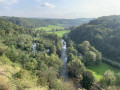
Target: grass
(99,70)
(60,33)
(50,27)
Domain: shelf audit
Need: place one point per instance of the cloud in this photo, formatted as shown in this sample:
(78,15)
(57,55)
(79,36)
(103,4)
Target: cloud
(8,2)
(47,5)
(7,8)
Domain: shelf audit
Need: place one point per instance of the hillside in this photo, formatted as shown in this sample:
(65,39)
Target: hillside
(38,22)
(22,67)
(103,33)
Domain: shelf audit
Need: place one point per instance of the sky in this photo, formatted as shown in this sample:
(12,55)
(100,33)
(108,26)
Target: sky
(68,9)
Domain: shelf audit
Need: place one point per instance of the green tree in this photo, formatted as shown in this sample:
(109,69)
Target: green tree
(72,50)
(71,57)
(98,55)
(89,58)
(108,78)
(88,80)
(118,79)
(84,47)
(76,68)
(3,49)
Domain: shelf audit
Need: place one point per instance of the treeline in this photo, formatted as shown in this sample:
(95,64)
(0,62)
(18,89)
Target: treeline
(39,22)
(103,33)
(114,64)
(26,22)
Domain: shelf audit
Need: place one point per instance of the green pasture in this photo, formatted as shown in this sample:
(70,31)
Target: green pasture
(50,27)
(60,33)
(99,70)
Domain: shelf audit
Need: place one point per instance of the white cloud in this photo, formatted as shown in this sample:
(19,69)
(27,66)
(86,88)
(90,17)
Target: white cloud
(8,2)
(47,5)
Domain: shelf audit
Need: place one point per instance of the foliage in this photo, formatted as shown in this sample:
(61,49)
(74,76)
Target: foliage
(76,68)
(91,55)
(5,84)
(89,58)
(108,78)
(99,70)
(60,33)
(37,22)
(102,33)
(84,47)
(88,80)
(40,68)
(72,50)
(118,79)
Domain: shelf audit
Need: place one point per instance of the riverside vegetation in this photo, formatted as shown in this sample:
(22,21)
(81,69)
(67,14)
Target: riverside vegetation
(87,47)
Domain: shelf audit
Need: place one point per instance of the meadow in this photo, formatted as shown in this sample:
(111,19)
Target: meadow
(60,33)
(50,27)
(99,70)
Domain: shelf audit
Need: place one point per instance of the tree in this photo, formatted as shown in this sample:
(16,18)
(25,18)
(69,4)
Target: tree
(71,57)
(108,78)
(3,49)
(53,50)
(89,58)
(98,55)
(58,48)
(72,50)
(84,47)
(118,79)
(88,80)
(76,68)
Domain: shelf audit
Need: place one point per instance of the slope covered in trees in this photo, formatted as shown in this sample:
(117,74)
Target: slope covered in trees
(20,67)
(103,33)
(39,22)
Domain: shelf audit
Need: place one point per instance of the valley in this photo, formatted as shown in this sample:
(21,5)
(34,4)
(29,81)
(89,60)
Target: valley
(32,55)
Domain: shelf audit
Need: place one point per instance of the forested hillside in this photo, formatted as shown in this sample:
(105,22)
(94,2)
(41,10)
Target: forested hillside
(32,59)
(103,33)
(39,22)
(21,68)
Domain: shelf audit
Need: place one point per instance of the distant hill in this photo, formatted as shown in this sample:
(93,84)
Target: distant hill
(38,22)
(26,22)
(103,33)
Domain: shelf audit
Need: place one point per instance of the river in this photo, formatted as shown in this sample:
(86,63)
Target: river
(64,71)
(34,47)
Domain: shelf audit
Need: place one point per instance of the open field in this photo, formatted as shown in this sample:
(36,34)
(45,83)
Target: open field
(99,70)
(60,33)
(50,27)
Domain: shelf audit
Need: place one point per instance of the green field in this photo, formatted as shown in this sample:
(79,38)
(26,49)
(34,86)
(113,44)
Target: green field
(99,70)
(60,33)
(50,27)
